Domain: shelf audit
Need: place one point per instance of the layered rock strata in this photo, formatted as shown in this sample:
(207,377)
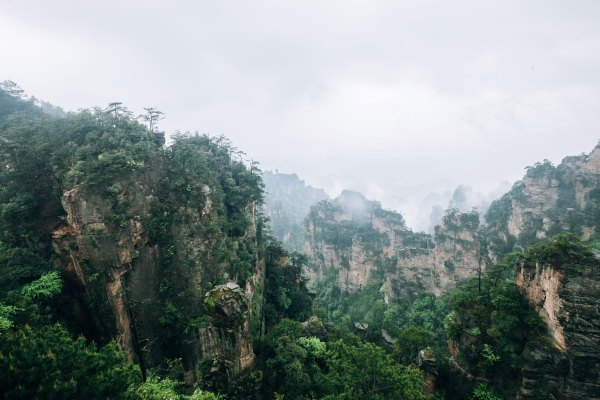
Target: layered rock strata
(357,237)
(567,298)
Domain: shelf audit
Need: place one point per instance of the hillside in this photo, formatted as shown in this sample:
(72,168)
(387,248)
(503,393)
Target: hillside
(357,237)
(548,200)
(140,231)
(366,266)
(132,269)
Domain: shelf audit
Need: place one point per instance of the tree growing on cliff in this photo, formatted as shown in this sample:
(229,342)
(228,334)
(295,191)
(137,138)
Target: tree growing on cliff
(492,324)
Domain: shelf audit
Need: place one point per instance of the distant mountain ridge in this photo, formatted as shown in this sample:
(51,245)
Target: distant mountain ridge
(547,201)
(288,201)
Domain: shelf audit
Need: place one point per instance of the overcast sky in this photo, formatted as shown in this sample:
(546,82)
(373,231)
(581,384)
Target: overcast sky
(397,99)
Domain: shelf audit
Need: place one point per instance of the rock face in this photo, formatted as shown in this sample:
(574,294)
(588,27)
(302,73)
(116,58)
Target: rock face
(106,261)
(356,237)
(454,256)
(566,297)
(428,364)
(228,340)
(144,259)
(547,201)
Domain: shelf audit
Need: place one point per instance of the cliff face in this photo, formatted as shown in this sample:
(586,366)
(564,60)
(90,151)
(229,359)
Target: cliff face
(148,255)
(356,237)
(548,200)
(453,258)
(105,259)
(566,297)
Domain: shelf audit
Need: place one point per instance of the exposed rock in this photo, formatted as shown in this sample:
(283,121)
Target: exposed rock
(566,297)
(361,327)
(106,243)
(543,294)
(428,364)
(226,303)
(228,341)
(547,201)
(356,237)
(389,339)
(315,327)
(97,256)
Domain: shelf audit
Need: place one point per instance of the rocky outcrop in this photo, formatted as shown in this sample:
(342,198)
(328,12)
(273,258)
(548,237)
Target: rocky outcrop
(566,297)
(547,201)
(357,237)
(144,263)
(227,340)
(428,365)
(102,259)
(452,256)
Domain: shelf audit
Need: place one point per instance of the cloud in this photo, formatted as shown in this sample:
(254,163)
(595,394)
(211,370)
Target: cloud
(394,98)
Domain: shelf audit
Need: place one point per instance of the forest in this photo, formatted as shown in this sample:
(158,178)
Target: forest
(103,221)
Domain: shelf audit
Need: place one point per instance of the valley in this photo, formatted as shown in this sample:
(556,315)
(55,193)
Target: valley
(135,269)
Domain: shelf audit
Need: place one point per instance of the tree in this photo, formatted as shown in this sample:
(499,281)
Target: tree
(47,363)
(12,89)
(410,341)
(152,116)
(117,109)
(365,371)
(492,325)
(157,388)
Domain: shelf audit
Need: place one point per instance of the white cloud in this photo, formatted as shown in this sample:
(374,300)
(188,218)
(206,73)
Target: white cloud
(396,99)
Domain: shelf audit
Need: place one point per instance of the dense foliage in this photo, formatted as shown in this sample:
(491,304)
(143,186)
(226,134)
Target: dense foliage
(303,358)
(41,311)
(102,151)
(332,344)
(334,365)
(492,324)
(487,321)
(47,363)
(286,295)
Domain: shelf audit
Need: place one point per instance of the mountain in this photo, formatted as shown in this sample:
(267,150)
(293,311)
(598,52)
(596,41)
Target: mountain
(114,246)
(357,237)
(367,256)
(287,203)
(160,248)
(547,201)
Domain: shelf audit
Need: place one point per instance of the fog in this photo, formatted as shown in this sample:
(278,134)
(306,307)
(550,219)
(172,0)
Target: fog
(401,100)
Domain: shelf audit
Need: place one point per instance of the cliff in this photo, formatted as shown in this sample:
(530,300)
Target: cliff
(149,295)
(357,237)
(563,289)
(547,201)
(146,231)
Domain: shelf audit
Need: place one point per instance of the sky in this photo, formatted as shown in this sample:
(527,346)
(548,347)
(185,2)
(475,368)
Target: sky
(400,100)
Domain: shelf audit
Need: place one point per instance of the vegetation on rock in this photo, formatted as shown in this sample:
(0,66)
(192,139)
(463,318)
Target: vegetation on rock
(131,269)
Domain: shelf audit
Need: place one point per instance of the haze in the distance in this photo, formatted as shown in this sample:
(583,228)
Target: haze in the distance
(401,100)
